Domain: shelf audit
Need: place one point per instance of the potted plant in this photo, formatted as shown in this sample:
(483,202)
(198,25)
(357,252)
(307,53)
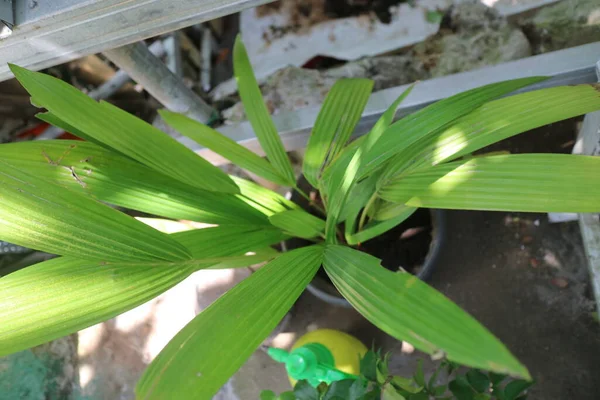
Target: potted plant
(54,195)
(449,381)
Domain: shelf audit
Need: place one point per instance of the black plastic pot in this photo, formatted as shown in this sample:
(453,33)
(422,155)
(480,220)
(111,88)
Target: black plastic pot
(422,249)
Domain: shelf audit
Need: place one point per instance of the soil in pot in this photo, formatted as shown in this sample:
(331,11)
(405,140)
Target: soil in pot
(406,246)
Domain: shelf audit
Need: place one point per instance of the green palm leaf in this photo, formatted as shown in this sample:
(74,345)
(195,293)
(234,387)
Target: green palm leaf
(107,176)
(376,228)
(123,132)
(298,223)
(336,121)
(48,217)
(204,354)
(493,122)
(254,257)
(61,296)
(408,309)
(342,173)
(222,145)
(519,182)
(424,122)
(263,199)
(54,120)
(221,241)
(258,115)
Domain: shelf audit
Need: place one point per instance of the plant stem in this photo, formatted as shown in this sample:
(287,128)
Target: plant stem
(310,202)
(302,193)
(363,216)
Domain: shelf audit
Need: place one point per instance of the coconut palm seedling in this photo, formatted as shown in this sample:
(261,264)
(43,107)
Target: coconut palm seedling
(56,197)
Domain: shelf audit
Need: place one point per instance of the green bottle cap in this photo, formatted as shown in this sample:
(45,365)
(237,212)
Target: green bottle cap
(313,362)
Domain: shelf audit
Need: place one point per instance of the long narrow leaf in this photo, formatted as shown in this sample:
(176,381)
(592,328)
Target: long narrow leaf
(220,241)
(424,122)
(520,182)
(263,199)
(298,223)
(385,120)
(115,179)
(225,246)
(336,121)
(218,341)
(258,115)
(339,194)
(54,120)
(377,228)
(61,296)
(340,162)
(44,216)
(254,257)
(495,121)
(222,145)
(342,178)
(408,309)
(386,210)
(358,198)
(123,132)
(335,169)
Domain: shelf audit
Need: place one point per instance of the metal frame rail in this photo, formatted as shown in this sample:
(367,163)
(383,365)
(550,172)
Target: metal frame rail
(51,32)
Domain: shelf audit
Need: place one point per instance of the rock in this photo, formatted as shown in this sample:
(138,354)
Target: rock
(292,88)
(560,283)
(46,372)
(509,220)
(385,71)
(472,15)
(566,24)
(288,89)
(480,37)
(551,260)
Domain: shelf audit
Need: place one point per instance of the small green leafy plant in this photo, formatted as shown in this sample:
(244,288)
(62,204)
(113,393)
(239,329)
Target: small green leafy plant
(375,382)
(56,197)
